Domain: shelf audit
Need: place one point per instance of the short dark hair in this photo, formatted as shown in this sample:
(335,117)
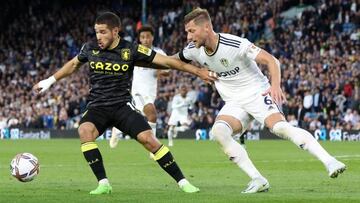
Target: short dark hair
(108,18)
(146,28)
(199,15)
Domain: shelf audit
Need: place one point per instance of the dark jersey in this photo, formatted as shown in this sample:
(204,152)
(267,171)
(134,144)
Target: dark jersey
(111,71)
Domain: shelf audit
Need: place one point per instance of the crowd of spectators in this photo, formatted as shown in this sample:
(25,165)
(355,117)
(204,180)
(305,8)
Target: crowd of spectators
(318,50)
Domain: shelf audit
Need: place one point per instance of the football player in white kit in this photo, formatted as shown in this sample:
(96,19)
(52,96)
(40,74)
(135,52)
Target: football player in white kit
(179,114)
(247,94)
(144,86)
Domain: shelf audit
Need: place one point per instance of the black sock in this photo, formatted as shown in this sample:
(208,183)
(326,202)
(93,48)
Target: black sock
(242,138)
(94,159)
(165,159)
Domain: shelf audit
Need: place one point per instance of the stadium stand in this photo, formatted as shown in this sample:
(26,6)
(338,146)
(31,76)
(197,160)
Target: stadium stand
(318,50)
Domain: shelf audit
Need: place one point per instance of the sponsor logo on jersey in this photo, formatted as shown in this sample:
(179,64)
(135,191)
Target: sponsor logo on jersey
(125,54)
(107,67)
(232,72)
(224,62)
(144,50)
(95,52)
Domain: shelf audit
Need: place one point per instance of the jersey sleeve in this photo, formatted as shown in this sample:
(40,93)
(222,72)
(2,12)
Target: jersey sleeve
(83,54)
(188,53)
(248,49)
(143,53)
(160,51)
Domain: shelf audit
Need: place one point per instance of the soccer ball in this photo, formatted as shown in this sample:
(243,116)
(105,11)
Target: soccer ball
(24,167)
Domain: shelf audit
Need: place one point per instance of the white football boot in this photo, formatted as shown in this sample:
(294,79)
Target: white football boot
(114,140)
(335,168)
(259,184)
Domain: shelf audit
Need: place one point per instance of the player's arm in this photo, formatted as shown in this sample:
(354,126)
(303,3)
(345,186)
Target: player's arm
(150,65)
(69,67)
(173,63)
(273,64)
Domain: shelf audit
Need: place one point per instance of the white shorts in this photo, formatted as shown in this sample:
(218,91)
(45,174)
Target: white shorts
(258,107)
(141,100)
(175,119)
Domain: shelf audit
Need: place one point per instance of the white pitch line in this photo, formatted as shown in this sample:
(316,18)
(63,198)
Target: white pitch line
(348,155)
(343,157)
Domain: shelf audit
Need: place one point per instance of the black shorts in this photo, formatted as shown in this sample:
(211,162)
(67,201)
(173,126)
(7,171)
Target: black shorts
(125,118)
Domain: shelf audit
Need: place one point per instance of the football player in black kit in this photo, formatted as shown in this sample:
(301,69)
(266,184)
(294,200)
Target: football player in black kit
(111,63)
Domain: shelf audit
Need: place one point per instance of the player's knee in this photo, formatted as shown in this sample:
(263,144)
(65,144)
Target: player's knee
(280,129)
(221,130)
(297,135)
(149,141)
(150,112)
(151,117)
(87,133)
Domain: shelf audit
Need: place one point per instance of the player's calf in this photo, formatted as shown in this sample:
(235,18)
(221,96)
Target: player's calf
(306,141)
(163,156)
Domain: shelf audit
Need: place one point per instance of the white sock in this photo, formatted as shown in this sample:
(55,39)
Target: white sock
(170,134)
(183,182)
(222,132)
(302,139)
(153,127)
(104,181)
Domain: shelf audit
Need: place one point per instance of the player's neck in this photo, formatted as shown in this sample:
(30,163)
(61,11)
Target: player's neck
(115,43)
(212,42)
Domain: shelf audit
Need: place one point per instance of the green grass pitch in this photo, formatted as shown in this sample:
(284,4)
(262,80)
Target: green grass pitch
(65,177)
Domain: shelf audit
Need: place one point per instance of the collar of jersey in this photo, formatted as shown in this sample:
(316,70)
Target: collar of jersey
(217,46)
(116,45)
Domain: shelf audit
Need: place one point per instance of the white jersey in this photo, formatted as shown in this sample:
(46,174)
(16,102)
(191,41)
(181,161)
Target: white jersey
(179,112)
(145,79)
(234,62)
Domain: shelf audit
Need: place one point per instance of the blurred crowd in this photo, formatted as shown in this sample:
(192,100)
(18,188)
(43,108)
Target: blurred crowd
(318,50)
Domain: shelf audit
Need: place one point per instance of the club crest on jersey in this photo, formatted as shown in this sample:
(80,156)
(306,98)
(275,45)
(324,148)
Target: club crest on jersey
(224,62)
(125,54)
(144,50)
(95,52)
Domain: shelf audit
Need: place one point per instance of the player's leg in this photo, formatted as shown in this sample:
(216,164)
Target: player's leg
(233,119)
(263,109)
(170,135)
(150,113)
(92,124)
(304,140)
(222,131)
(173,121)
(136,126)
(242,138)
(145,103)
(114,139)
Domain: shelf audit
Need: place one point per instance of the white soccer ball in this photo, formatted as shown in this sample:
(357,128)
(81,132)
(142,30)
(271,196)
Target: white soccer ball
(24,167)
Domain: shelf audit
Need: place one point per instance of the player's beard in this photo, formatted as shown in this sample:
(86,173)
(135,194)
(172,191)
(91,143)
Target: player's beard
(104,45)
(199,43)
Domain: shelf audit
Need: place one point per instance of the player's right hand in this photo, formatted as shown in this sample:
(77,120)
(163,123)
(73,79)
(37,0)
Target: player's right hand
(43,85)
(207,75)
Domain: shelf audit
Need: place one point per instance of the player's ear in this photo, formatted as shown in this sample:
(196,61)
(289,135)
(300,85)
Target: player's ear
(115,31)
(206,26)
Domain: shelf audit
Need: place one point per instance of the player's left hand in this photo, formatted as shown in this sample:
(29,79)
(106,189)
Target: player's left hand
(276,94)
(207,76)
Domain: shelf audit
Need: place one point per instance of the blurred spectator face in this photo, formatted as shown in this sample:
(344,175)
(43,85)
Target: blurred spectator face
(105,36)
(183,91)
(146,39)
